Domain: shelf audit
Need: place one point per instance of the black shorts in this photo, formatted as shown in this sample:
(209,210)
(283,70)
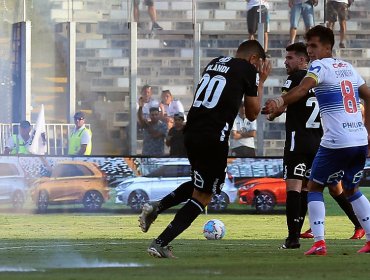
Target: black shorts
(149,3)
(297,165)
(253,19)
(208,161)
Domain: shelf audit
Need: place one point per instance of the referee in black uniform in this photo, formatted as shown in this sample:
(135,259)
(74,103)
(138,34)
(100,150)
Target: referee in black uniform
(225,82)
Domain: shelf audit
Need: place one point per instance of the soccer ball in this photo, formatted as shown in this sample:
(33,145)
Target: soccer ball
(214,229)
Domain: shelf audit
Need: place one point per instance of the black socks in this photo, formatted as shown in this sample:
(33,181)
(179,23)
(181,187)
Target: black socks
(347,208)
(181,194)
(293,206)
(183,219)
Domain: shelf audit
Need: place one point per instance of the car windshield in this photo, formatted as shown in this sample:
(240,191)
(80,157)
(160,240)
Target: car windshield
(70,170)
(171,171)
(7,169)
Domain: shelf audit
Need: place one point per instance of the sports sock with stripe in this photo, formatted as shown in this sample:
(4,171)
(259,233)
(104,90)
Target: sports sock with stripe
(316,212)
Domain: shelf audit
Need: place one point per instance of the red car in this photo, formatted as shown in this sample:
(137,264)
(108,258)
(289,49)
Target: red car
(263,193)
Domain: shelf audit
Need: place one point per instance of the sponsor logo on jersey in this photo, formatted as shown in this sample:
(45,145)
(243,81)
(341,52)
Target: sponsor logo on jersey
(339,65)
(315,69)
(343,73)
(225,59)
(287,83)
(352,125)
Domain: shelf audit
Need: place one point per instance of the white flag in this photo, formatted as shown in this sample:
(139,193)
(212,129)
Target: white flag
(38,145)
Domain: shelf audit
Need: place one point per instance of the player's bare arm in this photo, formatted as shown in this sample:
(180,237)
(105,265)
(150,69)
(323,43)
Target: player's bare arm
(295,94)
(252,104)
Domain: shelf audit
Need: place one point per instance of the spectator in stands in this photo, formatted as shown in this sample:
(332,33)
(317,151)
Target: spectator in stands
(338,10)
(148,101)
(19,143)
(300,8)
(169,107)
(151,11)
(175,137)
(242,136)
(253,10)
(154,131)
(80,140)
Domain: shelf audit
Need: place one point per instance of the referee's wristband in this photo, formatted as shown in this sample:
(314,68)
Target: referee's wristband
(279,101)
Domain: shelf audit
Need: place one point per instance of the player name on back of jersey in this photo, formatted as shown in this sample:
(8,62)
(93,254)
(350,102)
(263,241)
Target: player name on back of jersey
(218,68)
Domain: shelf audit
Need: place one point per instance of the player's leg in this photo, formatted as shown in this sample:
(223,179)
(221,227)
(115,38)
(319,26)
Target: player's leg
(360,203)
(151,210)
(293,205)
(337,193)
(327,169)
(209,165)
(316,212)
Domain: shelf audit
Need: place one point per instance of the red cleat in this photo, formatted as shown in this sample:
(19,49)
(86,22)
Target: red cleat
(318,248)
(358,234)
(365,249)
(307,234)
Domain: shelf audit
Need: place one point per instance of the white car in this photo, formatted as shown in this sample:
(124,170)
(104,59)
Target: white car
(134,192)
(13,187)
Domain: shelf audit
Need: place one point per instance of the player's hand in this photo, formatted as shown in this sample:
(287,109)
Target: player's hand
(264,69)
(270,107)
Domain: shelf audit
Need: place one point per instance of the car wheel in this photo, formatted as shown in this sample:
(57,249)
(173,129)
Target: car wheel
(264,202)
(43,201)
(18,200)
(219,202)
(136,199)
(93,200)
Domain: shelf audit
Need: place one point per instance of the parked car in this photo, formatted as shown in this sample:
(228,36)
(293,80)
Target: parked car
(13,186)
(72,182)
(134,192)
(263,193)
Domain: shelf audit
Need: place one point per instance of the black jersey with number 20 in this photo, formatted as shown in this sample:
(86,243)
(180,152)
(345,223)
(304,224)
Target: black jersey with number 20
(218,96)
(302,124)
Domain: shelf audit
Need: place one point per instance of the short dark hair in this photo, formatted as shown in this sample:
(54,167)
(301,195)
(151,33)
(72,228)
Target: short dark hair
(251,47)
(153,109)
(325,35)
(145,87)
(299,48)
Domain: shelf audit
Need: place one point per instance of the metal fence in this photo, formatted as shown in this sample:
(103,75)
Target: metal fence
(56,136)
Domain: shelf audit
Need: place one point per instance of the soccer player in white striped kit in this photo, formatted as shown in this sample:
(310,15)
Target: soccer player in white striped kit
(344,145)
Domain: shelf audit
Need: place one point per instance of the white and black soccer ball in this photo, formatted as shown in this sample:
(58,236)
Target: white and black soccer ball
(214,229)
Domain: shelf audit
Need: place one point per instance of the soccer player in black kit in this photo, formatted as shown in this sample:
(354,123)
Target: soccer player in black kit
(303,136)
(225,82)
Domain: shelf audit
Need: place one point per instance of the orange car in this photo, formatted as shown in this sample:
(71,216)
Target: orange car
(72,182)
(263,193)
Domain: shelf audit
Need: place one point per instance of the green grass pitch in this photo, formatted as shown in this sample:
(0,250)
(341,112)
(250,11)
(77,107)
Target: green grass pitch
(111,246)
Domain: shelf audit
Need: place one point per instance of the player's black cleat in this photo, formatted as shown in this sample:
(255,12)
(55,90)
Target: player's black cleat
(291,243)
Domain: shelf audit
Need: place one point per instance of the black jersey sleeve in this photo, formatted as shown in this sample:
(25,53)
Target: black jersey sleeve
(293,81)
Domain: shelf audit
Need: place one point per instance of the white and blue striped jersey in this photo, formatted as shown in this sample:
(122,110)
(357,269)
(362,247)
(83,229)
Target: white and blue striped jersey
(337,94)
